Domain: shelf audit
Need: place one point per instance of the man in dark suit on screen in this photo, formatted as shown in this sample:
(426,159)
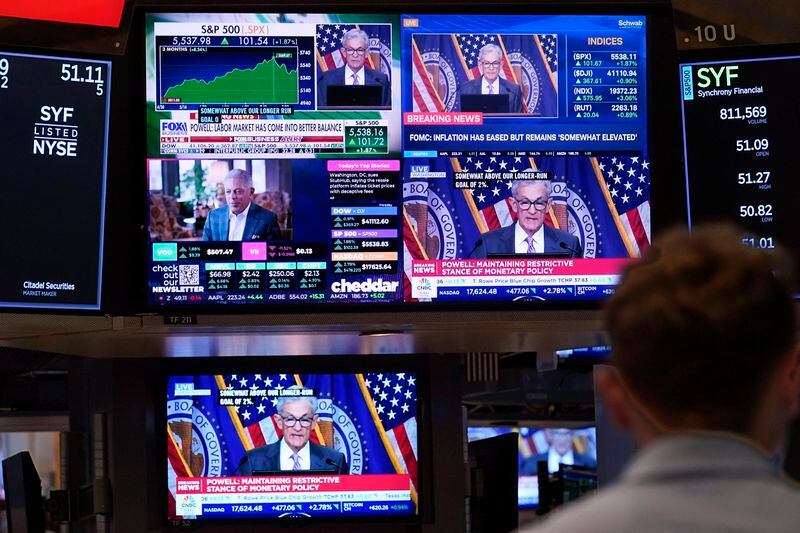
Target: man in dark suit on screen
(296,419)
(355,47)
(530,201)
(490,63)
(241,219)
(561,450)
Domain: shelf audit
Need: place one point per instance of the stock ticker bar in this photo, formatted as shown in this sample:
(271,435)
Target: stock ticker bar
(294,495)
(741,138)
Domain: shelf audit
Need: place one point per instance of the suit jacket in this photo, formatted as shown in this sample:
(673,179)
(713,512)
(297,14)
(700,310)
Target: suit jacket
(261,225)
(530,466)
(712,483)
(336,77)
(268,459)
(501,241)
(511,89)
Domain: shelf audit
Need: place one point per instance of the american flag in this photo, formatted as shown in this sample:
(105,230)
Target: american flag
(627,179)
(471,44)
(549,44)
(257,418)
(424,94)
(395,400)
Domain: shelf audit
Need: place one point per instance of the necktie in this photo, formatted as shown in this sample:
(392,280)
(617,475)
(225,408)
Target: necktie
(296,459)
(531,249)
(355,79)
(491,89)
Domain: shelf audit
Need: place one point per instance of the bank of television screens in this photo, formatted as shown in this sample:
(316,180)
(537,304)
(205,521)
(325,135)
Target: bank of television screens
(576,447)
(232,441)
(740,131)
(301,158)
(54,135)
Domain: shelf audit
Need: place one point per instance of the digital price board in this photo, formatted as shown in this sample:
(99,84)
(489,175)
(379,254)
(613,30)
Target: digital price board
(740,136)
(54,134)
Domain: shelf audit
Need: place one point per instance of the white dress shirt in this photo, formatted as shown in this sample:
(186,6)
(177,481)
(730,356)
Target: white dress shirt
(287,463)
(553,459)
(348,76)
(495,86)
(236,224)
(521,240)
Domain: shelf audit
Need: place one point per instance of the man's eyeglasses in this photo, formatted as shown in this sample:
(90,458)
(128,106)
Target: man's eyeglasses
(490,64)
(290,421)
(355,51)
(525,204)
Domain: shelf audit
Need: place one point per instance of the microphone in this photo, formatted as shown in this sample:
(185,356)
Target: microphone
(337,467)
(241,464)
(572,251)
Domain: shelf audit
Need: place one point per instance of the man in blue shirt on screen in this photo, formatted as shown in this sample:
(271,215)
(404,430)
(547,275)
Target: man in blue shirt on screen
(241,219)
(707,378)
(296,419)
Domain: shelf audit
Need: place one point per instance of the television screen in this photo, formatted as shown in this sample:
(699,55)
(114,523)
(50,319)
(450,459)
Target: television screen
(54,133)
(292,445)
(740,137)
(394,158)
(556,446)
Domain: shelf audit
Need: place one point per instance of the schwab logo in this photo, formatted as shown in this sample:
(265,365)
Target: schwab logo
(630,23)
(173,127)
(365,286)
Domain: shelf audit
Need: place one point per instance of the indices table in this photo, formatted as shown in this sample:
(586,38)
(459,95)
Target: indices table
(741,138)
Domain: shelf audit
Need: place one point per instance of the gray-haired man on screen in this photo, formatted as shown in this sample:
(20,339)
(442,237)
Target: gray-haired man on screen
(355,47)
(707,379)
(490,64)
(530,201)
(296,419)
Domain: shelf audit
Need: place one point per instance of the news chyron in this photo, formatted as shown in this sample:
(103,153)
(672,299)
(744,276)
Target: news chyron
(55,131)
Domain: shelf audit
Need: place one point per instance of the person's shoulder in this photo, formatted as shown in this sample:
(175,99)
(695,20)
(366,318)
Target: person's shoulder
(498,233)
(604,511)
(560,234)
(221,211)
(509,84)
(264,449)
(328,75)
(375,74)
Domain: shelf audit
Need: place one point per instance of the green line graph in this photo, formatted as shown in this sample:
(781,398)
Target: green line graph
(267,82)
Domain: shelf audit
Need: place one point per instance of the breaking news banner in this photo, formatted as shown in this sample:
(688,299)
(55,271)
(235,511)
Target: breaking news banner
(286,445)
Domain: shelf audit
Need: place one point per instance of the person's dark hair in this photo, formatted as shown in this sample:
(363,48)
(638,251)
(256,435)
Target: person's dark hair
(698,326)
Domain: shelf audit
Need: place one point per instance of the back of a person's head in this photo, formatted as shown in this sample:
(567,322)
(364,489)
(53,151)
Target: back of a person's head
(699,325)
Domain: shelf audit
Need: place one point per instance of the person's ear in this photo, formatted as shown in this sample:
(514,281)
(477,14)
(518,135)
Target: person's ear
(315,420)
(615,396)
(514,205)
(278,421)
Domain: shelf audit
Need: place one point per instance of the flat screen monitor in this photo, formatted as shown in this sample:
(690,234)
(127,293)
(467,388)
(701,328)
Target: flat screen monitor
(507,159)
(575,447)
(292,446)
(55,135)
(740,140)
